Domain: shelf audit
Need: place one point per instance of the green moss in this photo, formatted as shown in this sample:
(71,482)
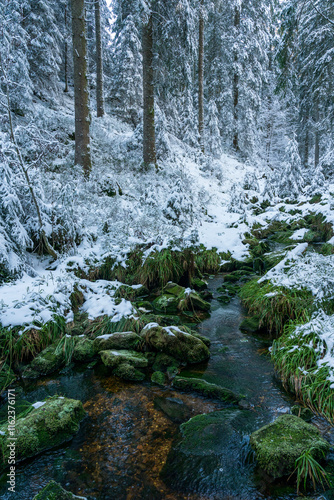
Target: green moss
(163,361)
(250,324)
(327,249)
(128,372)
(48,361)
(53,491)
(43,428)
(278,445)
(129,293)
(205,389)
(158,378)
(83,350)
(114,358)
(199,284)
(77,299)
(118,340)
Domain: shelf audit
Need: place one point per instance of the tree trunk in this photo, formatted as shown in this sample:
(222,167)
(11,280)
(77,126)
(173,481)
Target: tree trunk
(149,153)
(316,136)
(66,53)
(81,88)
(306,141)
(201,77)
(236,83)
(99,61)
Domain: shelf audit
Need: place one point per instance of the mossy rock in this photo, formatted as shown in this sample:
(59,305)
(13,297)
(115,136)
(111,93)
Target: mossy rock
(48,361)
(304,413)
(117,340)
(250,324)
(144,306)
(166,303)
(278,444)
(83,350)
(206,456)
(174,408)
(224,299)
(206,295)
(231,278)
(22,407)
(7,376)
(163,361)
(113,358)
(127,371)
(205,340)
(198,284)
(131,292)
(158,378)
(206,389)
(53,491)
(50,425)
(175,342)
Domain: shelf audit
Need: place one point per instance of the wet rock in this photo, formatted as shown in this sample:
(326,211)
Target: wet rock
(48,361)
(250,324)
(174,408)
(205,389)
(206,456)
(205,340)
(231,278)
(163,361)
(206,295)
(158,378)
(83,350)
(118,340)
(175,342)
(127,371)
(114,358)
(198,284)
(53,491)
(166,303)
(176,298)
(278,445)
(51,423)
(7,376)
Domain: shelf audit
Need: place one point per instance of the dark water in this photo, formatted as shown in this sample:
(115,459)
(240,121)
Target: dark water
(124,441)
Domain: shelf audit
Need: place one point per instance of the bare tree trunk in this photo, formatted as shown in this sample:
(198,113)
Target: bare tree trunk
(236,84)
(201,77)
(149,152)
(306,141)
(81,88)
(66,53)
(316,136)
(99,61)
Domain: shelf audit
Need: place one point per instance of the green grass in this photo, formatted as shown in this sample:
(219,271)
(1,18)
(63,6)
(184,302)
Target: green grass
(307,467)
(280,307)
(295,355)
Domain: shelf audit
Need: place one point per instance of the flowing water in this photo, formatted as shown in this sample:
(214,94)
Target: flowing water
(124,441)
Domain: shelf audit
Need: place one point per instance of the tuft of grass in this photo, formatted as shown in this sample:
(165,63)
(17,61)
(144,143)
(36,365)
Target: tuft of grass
(276,306)
(66,345)
(307,467)
(295,355)
(208,261)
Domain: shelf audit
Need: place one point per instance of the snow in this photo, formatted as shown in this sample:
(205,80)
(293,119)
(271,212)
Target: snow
(299,234)
(39,404)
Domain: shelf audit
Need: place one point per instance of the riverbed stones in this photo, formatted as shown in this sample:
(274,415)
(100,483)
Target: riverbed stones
(117,340)
(50,423)
(205,389)
(48,361)
(175,342)
(278,444)
(53,491)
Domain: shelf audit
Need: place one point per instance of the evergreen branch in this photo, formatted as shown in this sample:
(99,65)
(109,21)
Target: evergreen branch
(321,14)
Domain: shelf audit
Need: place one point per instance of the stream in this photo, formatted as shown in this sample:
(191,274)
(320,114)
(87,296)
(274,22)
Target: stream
(124,441)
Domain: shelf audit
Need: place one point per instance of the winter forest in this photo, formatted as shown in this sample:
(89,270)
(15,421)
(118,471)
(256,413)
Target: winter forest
(166,249)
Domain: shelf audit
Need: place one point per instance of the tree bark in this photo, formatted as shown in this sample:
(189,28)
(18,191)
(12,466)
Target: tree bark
(149,152)
(236,84)
(81,88)
(316,136)
(99,61)
(66,52)
(201,77)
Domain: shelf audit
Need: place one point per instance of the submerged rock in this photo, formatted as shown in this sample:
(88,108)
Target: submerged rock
(118,340)
(50,423)
(205,389)
(175,342)
(53,491)
(278,444)
(250,324)
(48,361)
(174,408)
(206,457)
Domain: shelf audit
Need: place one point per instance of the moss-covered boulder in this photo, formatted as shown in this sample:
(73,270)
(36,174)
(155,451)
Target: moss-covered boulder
(176,298)
(175,342)
(206,456)
(166,303)
(132,292)
(250,324)
(118,340)
(49,424)
(53,491)
(48,361)
(206,389)
(83,350)
(127,371)
(113,358)
(158,378)
(199,285)
(7,376)
(278,444)
(163,361)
